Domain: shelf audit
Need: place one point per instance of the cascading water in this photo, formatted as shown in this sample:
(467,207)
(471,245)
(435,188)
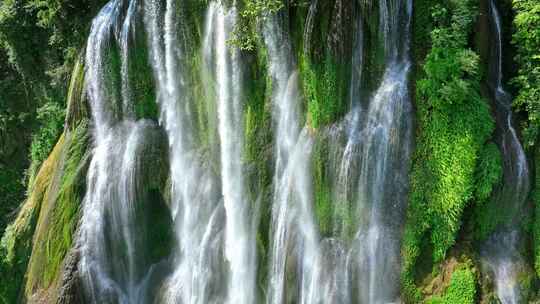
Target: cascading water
(379,141)
(500,251)
(214,260)
(294,235)
(239,235)
(195,198)
(114,265)
(385,145)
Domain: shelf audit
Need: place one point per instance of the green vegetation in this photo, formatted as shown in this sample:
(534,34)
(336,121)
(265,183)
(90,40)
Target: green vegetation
(454,124)
(39,43)
(457,169)
(487,177)
(536,226)
(16,243)
(462,289)
(245,35)
(526,38)
(59,214)
(325,89)
(51,118)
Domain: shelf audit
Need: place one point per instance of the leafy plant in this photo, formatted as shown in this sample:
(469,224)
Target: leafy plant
(454,124)
(526,38)
(462,289)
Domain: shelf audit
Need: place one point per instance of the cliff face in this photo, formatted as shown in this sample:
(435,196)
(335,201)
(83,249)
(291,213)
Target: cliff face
(426,181)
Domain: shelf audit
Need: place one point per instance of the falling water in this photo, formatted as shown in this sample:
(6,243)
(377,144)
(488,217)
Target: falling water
(114,265)
(239,236)
(310,24)
(195,203)
(379,140)
(500,251)
(294,235)
(214,258)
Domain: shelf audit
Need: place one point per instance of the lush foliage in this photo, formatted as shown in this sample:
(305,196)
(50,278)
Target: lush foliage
(462,289)
(487,177)
(455,163)
(536,226)
(453,125)
(39,41)
(527,41)
(246,35)
(50,117)
(15,128)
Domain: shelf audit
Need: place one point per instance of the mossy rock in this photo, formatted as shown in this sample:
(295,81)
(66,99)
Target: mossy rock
(59,215)
(16,244)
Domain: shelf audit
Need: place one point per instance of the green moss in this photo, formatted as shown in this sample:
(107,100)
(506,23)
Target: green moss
(335,218)
(259,150)
(16,243)
(325,88)
(142,84)
(76,97)
(59,215)
(323,193)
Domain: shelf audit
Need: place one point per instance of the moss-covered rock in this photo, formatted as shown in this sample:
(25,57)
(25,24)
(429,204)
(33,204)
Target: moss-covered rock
(59,214)
(16,244)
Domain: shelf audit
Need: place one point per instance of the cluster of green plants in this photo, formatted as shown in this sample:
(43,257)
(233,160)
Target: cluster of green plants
(488,176)
(245,34)
(462,288)
(454,124)
(50,117)
(526,38)
(15,133)
(536,225)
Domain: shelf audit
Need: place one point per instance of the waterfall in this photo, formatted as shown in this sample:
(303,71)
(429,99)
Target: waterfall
(293,233)
(500,251)
(195,203)
(214,257)
(379,141)
(239,235)
(374,164)
(114,266)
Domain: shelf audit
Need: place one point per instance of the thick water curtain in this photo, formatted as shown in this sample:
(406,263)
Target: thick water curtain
(169,214)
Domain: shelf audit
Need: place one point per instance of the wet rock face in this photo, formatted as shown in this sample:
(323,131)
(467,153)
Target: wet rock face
(70,291)
(339,36)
